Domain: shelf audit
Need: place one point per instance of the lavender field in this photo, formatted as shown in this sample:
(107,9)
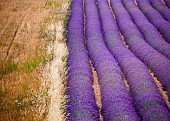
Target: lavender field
(127,43)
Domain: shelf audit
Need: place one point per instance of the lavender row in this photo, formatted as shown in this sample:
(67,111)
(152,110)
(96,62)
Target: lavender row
(167,2)
(144,91)
(153,59)
(81,102)
(151,34)
(159,6)
(155,18)
(117,104)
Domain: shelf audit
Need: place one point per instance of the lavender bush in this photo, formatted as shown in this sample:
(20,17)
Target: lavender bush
(167,2)
(117,105)
(151,34)
(158,63)
(159,6)
(144,91)
(155,18)
(81,99)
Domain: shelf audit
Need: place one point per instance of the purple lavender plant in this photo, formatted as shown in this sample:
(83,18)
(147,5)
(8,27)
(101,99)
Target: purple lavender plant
(158,63)
(161,8)
(144,91)
(151,34)
(155,18)
(81,99)
(117,104)
(167,2)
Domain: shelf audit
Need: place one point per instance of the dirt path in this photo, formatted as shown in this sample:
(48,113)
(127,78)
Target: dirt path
(97,92)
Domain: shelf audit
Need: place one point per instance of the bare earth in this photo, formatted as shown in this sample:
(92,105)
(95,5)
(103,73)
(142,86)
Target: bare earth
(25,35)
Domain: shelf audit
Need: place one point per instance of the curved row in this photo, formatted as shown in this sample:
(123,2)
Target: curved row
(81,103)
(153,59)
(151,34)
(117,104)
(167,2)
(147,98)
(155,18)
(159,6)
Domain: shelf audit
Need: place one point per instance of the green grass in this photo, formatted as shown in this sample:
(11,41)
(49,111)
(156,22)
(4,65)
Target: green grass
(30,65)
(48,19)
(51,4)
(25,84)
(66,23)
(8,67)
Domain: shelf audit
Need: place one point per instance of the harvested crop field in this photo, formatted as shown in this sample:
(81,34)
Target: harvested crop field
(84,60)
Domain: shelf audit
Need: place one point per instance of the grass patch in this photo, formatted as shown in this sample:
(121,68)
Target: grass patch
(30,65)
(49,32)
(25,85)
(8,67)
(24,101)
(51,4)
(67,17)
(48,19)
(45,33)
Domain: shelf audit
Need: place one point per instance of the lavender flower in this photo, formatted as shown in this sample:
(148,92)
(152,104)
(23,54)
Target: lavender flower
(147,97)
(155,18)
(81,103)
(117,103)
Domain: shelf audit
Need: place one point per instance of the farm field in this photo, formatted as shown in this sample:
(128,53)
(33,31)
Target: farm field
(124,41)
(31,38)
(84,60)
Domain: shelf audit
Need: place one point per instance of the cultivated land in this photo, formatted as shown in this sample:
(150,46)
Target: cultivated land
(125,50)
(34,53)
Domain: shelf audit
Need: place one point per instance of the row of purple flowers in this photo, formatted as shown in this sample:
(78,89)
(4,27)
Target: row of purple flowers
(158,63)
(117,103)
(110,58)
(147,99)
(167,2)
(161,8)
(81,103)
(151,34)
(155,18)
